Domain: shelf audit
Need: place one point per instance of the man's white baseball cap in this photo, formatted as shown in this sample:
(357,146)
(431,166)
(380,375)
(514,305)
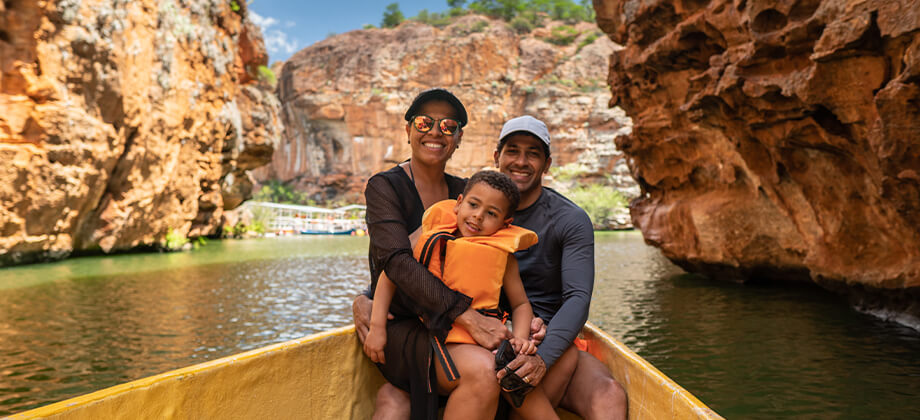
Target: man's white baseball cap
(526,124)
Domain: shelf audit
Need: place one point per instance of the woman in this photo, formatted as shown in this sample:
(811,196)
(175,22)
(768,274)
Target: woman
(396,200)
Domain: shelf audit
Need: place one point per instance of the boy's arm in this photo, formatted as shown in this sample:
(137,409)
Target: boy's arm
(382,298)
(521,312)
(376,338)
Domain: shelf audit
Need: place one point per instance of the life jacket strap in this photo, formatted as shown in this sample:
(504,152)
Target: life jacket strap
(428,248)
(443,356)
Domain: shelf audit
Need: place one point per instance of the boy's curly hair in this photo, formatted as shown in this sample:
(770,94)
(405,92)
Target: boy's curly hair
(500,182)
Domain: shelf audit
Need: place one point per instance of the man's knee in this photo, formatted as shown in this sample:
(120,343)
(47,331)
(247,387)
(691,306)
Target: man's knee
(610,391)
(392,403)
(593,392)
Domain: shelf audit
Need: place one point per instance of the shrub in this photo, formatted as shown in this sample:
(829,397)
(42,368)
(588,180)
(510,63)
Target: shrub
(174,240)
(521,25)
(568,172)
(563,35)
(275,191)
(588,40)
(599,201)
(507,10)
(434,19)
(257,227)
(555,80)
(479,26)
(267,75)
(392,16)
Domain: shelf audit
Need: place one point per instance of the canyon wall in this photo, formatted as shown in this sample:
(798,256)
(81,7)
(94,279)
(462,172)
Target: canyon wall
(344,99)
(124,120)
(776,139)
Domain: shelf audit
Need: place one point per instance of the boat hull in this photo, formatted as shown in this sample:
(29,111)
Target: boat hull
(326,232)
(326,376)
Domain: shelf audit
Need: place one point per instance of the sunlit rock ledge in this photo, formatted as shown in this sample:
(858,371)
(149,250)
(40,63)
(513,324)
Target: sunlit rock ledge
(125,120)
(344,100)
(776,139)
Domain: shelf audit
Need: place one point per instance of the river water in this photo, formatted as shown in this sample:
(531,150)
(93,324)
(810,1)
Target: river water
(761,352)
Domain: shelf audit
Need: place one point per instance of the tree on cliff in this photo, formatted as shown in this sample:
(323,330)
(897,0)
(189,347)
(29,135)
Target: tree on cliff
(392,16)
(507,10)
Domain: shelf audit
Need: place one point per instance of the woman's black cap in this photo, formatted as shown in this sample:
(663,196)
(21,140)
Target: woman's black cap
(440,95)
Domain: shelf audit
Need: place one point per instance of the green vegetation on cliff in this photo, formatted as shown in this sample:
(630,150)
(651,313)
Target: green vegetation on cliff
(392,16)
(275,191)
(523,15)
(599,200)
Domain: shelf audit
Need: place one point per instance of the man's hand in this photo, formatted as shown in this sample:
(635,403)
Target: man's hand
(537,330)
(530,368)
(487,331)
(361,312)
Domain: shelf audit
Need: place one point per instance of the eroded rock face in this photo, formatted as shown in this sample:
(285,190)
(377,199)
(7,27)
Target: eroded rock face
(775,139)
(122,120)
(344,99)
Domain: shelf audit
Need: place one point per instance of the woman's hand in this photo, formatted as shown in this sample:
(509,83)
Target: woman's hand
(487,331)
(374,343)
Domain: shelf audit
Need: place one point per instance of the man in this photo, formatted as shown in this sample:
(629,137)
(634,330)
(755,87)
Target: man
(558,273)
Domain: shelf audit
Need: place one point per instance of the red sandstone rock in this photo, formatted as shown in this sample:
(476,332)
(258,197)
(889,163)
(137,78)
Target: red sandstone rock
(121,121)
(775,139)
(344,100)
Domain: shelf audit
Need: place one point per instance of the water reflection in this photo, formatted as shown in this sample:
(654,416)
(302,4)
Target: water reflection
(68,336)
(757,351)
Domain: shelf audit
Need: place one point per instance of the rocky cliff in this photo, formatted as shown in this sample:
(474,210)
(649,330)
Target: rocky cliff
(776,139)
(123,120)
(344,99)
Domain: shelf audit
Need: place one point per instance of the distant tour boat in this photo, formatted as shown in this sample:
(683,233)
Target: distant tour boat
(327,376)
(285,219)
(328,232)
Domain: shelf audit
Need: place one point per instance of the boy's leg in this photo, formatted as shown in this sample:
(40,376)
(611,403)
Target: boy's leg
(475,394)
(559,375)
(535,406)
(550,390)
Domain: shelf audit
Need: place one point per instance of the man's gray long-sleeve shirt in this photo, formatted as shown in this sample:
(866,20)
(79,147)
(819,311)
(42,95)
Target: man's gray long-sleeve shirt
(558,272)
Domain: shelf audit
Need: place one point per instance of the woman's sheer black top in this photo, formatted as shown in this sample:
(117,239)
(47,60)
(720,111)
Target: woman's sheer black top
(394,210)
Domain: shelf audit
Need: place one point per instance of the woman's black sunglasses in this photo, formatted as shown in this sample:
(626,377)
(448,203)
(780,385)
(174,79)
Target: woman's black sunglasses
(424,124)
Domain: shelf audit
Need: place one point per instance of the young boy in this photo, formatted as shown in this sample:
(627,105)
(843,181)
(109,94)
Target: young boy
(477,260)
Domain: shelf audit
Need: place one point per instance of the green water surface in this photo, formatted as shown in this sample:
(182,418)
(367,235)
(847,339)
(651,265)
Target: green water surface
(764,352)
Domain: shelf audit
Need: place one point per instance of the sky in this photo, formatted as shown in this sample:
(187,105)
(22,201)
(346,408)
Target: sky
(289,26)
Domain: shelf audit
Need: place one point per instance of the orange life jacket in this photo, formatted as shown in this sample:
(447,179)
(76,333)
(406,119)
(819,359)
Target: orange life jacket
(474,266)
